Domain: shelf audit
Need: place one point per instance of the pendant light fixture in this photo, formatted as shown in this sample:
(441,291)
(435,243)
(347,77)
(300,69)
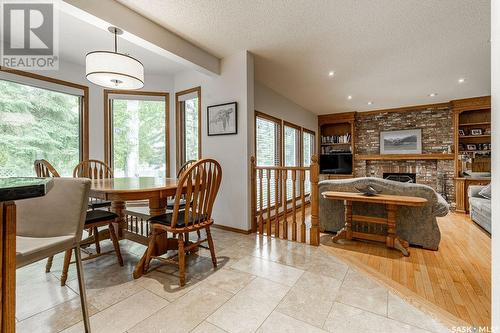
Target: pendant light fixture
(114,70)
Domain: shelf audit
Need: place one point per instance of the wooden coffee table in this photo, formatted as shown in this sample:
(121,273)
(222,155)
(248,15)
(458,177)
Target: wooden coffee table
(390,201)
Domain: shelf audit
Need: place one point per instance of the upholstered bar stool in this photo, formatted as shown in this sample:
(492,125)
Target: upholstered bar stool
(52,224)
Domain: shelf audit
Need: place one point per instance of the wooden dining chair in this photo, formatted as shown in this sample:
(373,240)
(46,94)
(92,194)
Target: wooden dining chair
(199,185)
(44,169)
(96,218)
(182,169)
(93,169)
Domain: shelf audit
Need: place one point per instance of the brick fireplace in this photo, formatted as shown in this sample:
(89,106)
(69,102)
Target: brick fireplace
(437,136)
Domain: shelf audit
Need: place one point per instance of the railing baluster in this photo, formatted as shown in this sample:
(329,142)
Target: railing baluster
(285,204)
(277,200)
(253,189)
(261,209)
(303,206)
(294,205)
(268,223)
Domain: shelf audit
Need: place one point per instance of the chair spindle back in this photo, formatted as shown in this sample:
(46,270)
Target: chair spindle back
(184,167)
(44,169)
(201,182)
(93,169)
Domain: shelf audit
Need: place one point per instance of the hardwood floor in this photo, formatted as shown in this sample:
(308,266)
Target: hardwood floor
(455,280)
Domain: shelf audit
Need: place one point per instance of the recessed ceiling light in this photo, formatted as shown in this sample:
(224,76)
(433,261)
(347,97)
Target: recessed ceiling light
(370,103)
(461,80)
(432,94)
(349,97)
(331,73)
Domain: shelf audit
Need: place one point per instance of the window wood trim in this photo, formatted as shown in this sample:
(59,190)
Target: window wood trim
(84,109)
(108,130)
(178,127)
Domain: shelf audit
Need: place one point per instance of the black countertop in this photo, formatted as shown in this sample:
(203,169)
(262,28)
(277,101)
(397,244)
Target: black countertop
(16,188)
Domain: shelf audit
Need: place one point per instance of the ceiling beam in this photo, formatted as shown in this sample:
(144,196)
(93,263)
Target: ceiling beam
(143,32)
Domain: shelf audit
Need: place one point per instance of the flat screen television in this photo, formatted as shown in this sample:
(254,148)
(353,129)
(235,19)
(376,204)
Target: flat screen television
(339,163)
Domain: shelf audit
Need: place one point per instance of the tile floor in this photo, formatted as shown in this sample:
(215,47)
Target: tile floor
(261,285)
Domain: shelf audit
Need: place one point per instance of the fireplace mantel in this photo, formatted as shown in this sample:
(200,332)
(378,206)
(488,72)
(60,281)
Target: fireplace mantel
(396,157)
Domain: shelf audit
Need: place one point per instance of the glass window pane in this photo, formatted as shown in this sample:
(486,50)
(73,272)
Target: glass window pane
(291,146)
(267,142)
(36,123)
(307,145)
(267,154)
(308,149)
(191,129)
(138,138)
(291,154)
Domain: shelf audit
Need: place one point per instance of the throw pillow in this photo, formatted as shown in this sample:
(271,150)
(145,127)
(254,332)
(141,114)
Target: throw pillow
(486,192)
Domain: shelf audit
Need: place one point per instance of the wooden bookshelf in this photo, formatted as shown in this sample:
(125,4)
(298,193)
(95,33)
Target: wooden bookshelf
(337,124)
(469,115)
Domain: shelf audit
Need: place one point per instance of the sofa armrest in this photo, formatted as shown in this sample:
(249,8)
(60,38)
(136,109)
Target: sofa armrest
(441,207)
(473,191)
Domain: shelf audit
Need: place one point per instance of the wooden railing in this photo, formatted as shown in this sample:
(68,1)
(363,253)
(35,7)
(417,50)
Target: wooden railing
(285,201)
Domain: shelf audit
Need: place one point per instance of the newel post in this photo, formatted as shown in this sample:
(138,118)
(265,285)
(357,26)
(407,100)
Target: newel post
(314,232)
(253,194)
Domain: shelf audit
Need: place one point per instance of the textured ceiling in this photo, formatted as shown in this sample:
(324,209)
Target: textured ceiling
(77,38)
(391,52)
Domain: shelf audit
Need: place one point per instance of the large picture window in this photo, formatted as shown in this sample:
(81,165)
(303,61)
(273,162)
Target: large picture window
(137,133)
(188,114)
(40,118)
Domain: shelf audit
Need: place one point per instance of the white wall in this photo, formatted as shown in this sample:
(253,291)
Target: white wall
(495,126)
(235,84)
(276,105)
(76,74)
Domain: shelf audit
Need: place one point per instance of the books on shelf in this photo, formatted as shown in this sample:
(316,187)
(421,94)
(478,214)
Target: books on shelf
(329,139)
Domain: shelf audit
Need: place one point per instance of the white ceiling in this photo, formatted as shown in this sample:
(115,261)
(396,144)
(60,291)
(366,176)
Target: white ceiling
(77,38)
(391,52)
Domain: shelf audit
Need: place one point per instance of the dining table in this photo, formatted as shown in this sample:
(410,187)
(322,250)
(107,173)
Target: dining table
(156,190)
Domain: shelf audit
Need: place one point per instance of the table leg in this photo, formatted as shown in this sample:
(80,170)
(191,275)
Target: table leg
(118,207)
(392,240)
(346,231)
(8,267)
(157,206)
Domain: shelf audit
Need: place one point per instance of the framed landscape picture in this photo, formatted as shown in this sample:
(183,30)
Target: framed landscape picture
(222,119)
(401,142)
